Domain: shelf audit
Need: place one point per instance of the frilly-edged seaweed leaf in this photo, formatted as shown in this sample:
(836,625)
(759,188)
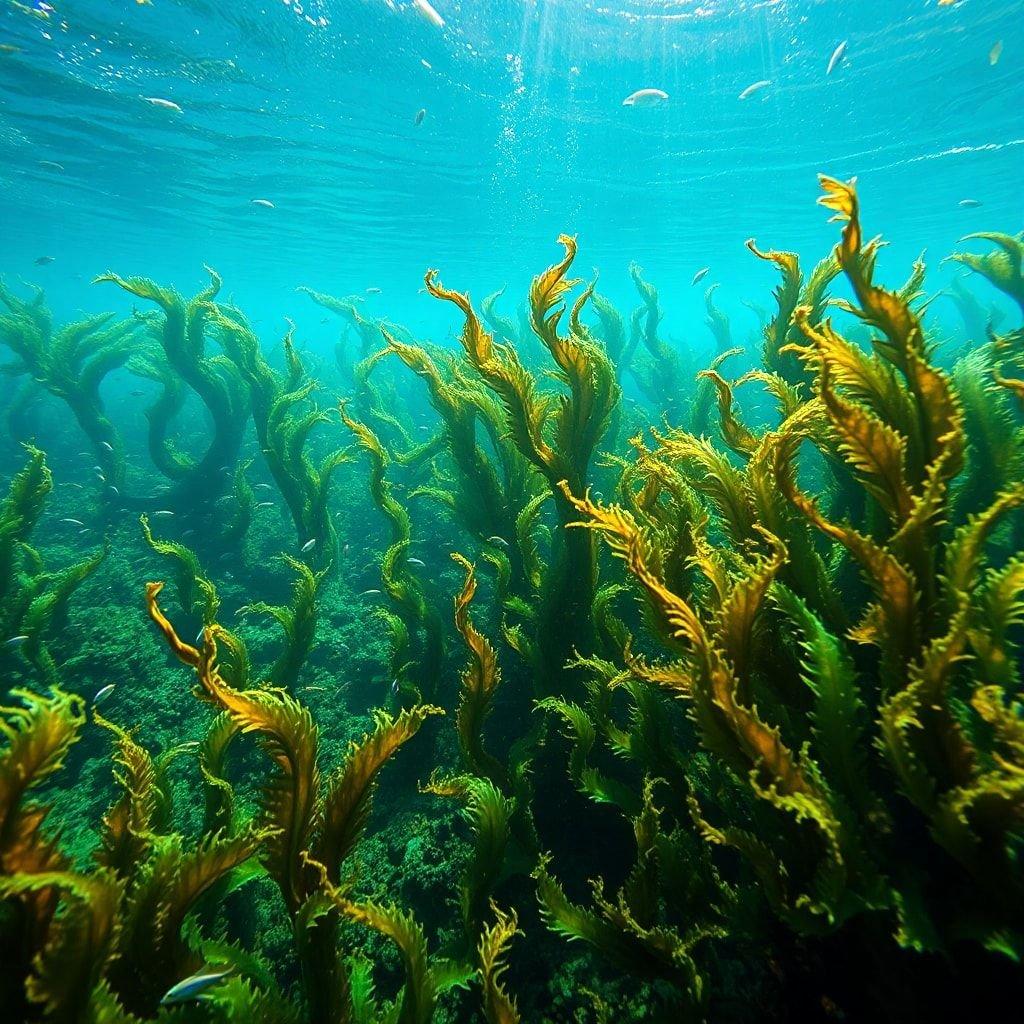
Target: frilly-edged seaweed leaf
(498,1005)
(348,792)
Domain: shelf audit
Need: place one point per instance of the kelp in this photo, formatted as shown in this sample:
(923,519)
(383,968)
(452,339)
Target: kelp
(492,481)
(905,689)
(784,745)
(558,434)
(181,332)
(316,822)
(71,363)
(661,375)
(297,621)
(33,601)
(415,620)
(285,417)
(107,942)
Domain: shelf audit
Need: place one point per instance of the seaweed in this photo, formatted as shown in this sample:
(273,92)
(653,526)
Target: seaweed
(284,419)
(181,332)
(33,601)
(828,837)
(71,363)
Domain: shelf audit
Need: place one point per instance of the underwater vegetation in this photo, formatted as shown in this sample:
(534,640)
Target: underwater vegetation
(527,700)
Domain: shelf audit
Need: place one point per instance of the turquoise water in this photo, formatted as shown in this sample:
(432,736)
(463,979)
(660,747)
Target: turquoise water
(764,768)
(524,136)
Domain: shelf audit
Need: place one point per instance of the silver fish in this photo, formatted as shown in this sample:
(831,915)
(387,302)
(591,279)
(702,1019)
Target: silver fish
(969,204)
(646,98)
(500,541)
(307,545)
(107,445)
(756,87)
(700,275)
(103,693)
(418,119)
(193,986)
(416,561)
(15,640)
(163,512)
(365,592)
(263,202)
(77,522)
(837,55)
(157,101)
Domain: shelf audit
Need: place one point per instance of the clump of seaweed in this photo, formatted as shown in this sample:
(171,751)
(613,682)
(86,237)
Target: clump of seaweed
(284,419)
(71,363)
(558,435)
(33,601)
(880,758)
(181,332)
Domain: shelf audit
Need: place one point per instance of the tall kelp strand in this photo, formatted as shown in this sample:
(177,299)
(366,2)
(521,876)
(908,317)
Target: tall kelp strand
(594,665)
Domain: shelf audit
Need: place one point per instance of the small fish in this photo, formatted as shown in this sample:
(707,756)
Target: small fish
(263,202)
(264,504)
(9,48)
(16,640)
(995,53)
(42,261)
(969,204)
(104,693)
(136,394)
(373,291)
(394,685)
(427,64)
(427,13)
(366,592)
(699,276)
(418,119)
(193,986)
(71,483)
(756,87)
(946,3)
(307,545)
(500,541)
(111,487)
(416,561)
(51,165)
(262,487)
(77,522)
(157,101)
(314,689)
(837,55)
(164,512)
(646,98)
(107,445)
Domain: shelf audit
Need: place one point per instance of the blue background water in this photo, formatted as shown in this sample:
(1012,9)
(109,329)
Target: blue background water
(525,136)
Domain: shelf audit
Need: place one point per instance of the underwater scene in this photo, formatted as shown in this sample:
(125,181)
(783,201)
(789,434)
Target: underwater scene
(511,511)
